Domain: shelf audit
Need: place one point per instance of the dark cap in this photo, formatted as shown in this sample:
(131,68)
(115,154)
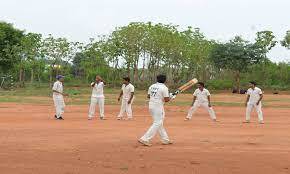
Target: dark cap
(59,77)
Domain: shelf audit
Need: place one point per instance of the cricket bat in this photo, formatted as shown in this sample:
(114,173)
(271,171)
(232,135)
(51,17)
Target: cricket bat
(185,86)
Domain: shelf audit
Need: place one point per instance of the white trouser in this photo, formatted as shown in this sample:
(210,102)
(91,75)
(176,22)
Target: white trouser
(158,115)
(125,107)
(258,108)
(94,101)
(196,105)
(59,105)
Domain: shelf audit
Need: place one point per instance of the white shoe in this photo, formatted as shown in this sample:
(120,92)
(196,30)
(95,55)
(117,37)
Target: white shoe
(187,119)
(166,142)
(261,122)
(90,118)
(144,143)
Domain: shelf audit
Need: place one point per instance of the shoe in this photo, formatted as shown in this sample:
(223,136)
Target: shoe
(186,119)
(119,118)
(144,143)
(261,122)
(103,118)
(90,118)
(214,120)
(247,121)
(55,116)
(167,142)
(60,118)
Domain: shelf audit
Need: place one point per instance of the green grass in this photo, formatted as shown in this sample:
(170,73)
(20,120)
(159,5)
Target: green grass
(81,96)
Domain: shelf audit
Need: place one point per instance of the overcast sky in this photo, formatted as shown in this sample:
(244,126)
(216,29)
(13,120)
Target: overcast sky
(80,20)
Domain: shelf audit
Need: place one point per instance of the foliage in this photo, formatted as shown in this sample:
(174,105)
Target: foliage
(141,51)
(286,41)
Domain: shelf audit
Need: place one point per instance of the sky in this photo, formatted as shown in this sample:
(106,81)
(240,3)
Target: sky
(79,20)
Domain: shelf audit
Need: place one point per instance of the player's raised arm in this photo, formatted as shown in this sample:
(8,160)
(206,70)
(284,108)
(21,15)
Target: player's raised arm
(102,80)
(93,84)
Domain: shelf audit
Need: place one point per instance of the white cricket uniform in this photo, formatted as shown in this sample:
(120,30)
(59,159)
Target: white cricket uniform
(58,99)
(157,93)
(201,101)
(125,107)
(252,103)
(97,98)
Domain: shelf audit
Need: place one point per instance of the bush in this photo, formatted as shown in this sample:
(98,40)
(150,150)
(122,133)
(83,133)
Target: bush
(219,84)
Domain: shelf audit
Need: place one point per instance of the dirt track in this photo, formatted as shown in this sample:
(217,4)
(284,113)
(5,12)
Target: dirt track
(31,141)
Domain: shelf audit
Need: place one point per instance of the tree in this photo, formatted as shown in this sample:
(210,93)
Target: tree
(30,55)
(286,41)
(236,55)
(58,52)
(10,39)
(92,60)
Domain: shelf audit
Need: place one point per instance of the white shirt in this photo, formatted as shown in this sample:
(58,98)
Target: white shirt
(127,90)
(157,93)
(254,95)
(98,90)
(201,96)
(57,86)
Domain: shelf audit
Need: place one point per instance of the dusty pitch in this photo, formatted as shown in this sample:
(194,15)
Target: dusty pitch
(31,141)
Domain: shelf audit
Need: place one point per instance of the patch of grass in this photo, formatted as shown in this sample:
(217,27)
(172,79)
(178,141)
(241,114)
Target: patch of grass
(81,96)
(9,99)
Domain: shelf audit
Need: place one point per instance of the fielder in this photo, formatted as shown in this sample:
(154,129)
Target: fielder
(254,98)
(97,98)
(58,94)
(201,98)
(157,94)
(127,94)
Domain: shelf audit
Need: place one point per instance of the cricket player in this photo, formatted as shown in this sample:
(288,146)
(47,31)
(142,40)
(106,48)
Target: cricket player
(97,98)
(254,98)
(127,95)
(157,94)
(201,98)
(58,95)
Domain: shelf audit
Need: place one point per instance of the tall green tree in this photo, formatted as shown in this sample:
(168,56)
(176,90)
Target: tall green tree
(286,41)
(30,51)
(10,40)
(236,55)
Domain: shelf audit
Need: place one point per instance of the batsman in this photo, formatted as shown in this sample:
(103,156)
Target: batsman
(158,94)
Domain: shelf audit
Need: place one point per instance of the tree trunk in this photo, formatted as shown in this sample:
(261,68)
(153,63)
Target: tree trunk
(237,79)
(21,77)
(136,73)
(20,74)
(38,76)
(32,75)
(50,77)
(143,69)
(128,69)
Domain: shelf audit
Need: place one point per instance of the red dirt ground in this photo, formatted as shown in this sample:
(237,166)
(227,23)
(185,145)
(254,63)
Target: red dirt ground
(31,141)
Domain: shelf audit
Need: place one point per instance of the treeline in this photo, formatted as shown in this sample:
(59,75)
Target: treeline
(141,51)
